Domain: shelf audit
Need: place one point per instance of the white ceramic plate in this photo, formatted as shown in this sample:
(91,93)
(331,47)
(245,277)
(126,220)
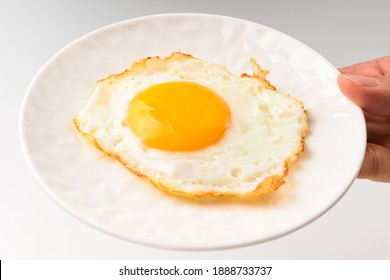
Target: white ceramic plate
(101,192)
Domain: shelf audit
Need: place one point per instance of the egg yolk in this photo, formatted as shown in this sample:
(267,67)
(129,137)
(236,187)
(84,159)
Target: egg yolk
(178,116)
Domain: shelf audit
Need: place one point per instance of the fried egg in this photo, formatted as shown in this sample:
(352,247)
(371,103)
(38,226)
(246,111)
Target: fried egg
(193,128)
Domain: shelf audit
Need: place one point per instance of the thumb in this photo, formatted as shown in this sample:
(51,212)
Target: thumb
(371,94)
(376,164)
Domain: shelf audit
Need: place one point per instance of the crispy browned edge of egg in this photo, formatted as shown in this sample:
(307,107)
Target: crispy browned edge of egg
(268,185)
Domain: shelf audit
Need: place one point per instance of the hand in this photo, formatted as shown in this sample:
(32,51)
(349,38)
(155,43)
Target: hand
(368,85)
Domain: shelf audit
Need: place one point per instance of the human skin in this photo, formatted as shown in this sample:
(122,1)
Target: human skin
(368,85)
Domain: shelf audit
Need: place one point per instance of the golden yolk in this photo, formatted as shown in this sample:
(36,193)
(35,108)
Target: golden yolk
(178,116)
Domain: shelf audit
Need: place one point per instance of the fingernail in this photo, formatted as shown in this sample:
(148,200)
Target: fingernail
(362,80)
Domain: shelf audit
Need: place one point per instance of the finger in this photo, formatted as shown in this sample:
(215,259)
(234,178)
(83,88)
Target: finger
(372,68)
(378,129)
(372,94)
(376,164)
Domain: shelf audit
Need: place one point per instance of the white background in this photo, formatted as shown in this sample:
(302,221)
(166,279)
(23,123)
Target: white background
(32,226)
